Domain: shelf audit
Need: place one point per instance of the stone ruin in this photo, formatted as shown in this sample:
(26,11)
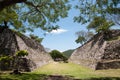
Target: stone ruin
(101,52)
(11,42)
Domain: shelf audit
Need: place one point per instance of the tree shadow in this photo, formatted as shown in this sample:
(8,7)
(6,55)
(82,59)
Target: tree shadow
(23,76)
(34,76)
(104,78)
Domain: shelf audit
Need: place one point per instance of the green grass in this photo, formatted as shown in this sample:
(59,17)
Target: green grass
(76,71)
(68,69)
(24,76)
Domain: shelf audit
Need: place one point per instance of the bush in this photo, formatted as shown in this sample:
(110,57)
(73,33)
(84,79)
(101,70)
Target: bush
(55,54)
(5,62)
(5,58)
(22,53)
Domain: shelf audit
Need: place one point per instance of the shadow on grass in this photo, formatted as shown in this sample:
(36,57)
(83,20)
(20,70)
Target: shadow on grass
(23,76)
(104,78)
(32,76)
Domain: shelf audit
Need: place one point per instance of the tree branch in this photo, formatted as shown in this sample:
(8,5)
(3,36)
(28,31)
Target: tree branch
(36,6)
(6,3)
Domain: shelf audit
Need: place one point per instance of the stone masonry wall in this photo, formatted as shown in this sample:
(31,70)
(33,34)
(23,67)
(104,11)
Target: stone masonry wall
(99,53)
(10,42)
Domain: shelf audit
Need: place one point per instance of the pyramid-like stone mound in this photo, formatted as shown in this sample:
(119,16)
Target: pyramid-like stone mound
(101,52)
(11,42)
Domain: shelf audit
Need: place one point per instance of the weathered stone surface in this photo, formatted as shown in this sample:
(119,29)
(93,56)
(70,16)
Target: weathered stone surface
(101,52)
(10,42)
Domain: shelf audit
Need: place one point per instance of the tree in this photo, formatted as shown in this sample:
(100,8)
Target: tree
(80,40)
(55,54)
(29,14)
(83,36)
(100,24)
(9,15)
(89,9)
(36,38)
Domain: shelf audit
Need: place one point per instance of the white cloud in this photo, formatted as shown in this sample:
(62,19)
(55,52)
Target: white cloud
(58,31)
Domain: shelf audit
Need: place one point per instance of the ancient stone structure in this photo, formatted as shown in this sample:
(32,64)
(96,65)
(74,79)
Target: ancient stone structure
(11,41)
(101,52)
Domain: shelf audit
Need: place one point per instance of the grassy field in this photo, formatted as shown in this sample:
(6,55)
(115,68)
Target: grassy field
(76,71)
(68,69)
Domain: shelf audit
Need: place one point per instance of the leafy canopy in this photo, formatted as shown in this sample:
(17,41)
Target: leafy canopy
(100,24)
(9,15)
(89,9)
(30,14)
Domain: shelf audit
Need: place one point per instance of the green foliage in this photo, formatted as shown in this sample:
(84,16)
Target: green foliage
(5,62)
(55,54)
(5,58)
(21,53)
(23,76)
(89,9)
(83,36)
(68,53)
(9,15)
(36,38)
(17,32)
(100,24)
(80,40)
(31,14)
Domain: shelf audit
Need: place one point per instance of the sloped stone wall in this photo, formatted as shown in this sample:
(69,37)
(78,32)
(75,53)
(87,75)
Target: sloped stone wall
(112,50)
(99,52)
(7,42)
(87,55)
(10,42)
(36,52)
(111,56)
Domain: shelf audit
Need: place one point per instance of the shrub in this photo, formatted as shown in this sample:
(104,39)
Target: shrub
(22,53)
(55,54)
(5,58)
(5,62)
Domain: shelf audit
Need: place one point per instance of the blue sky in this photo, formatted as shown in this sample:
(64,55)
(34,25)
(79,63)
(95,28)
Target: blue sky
(64,38)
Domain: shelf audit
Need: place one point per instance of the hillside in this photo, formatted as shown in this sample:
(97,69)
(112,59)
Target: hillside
(68,53)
